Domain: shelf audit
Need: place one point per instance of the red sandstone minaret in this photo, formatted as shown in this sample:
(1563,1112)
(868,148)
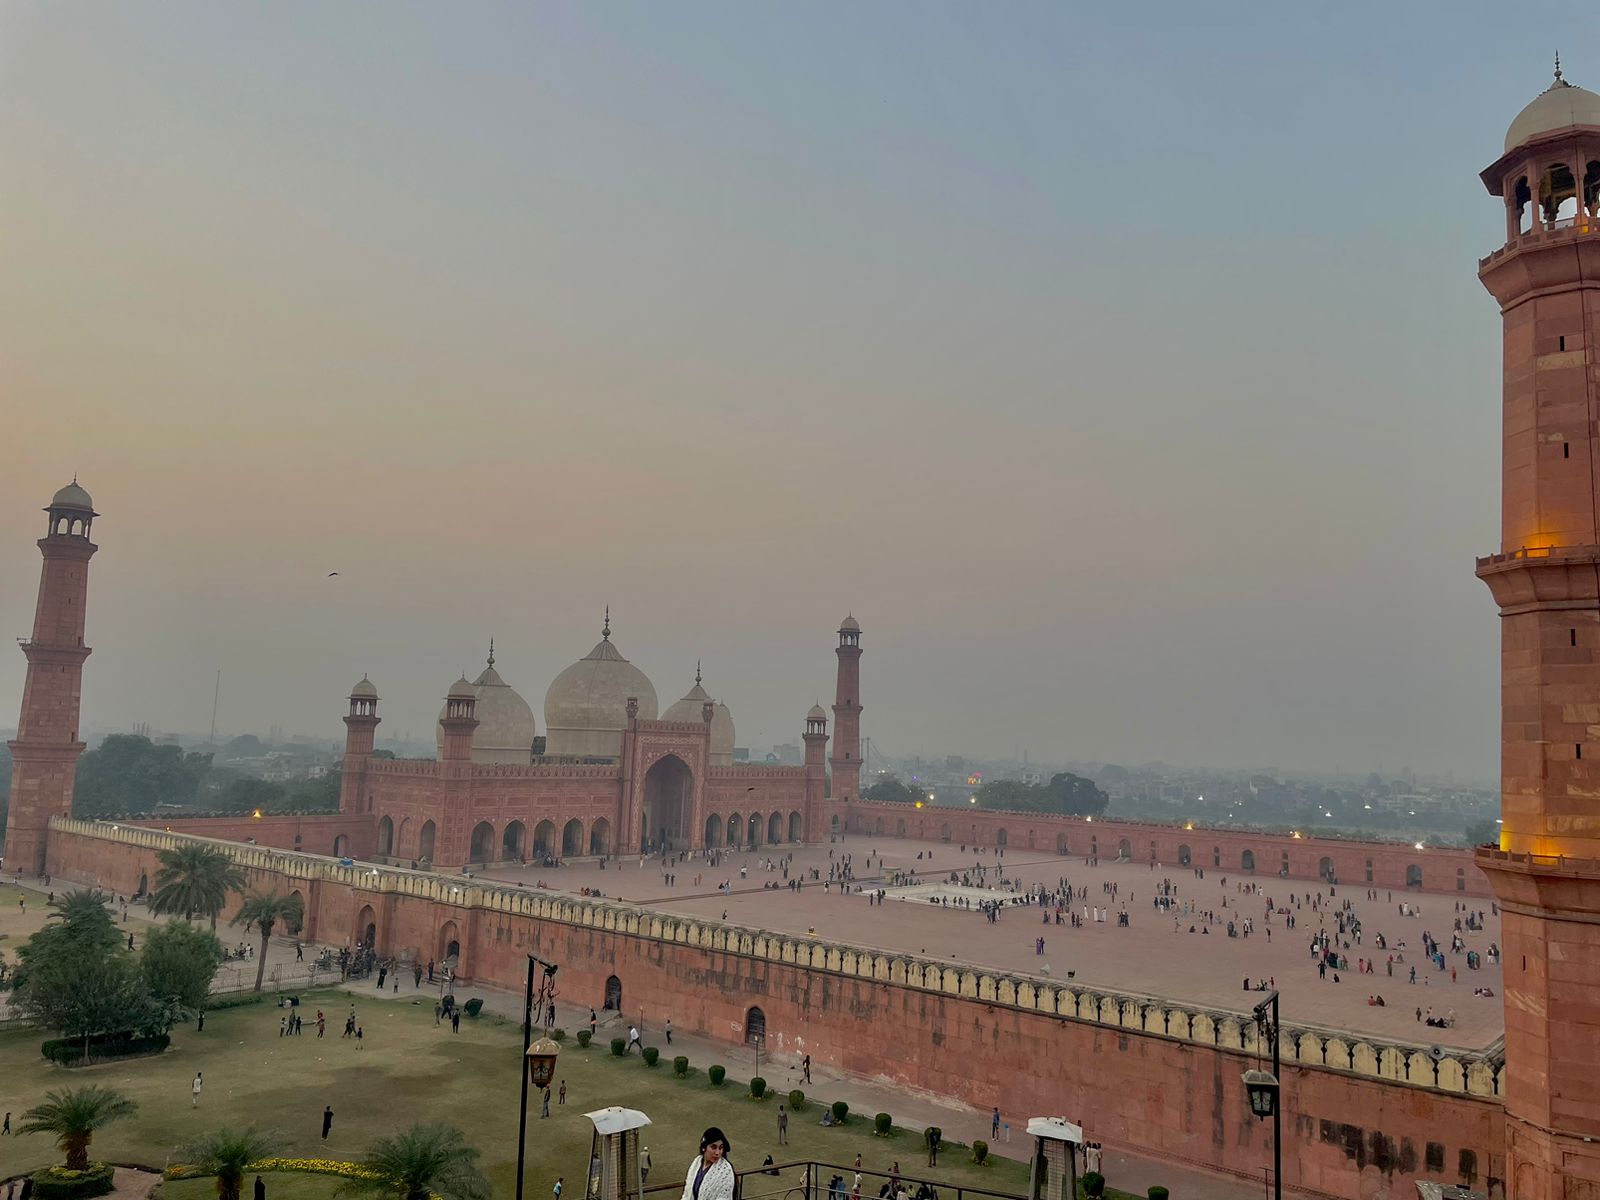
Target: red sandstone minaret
(45,754)
(1546,580)
(846,761)
(361,724)
(816,740)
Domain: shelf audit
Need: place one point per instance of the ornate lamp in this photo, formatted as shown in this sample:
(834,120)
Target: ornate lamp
(1262,1087)
(541,1058)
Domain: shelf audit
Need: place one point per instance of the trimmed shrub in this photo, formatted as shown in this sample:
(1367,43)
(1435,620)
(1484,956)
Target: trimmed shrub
(472,1007)
(584,1038)
(797,1100)
(1157,1193)
(619,1047)
(234,1000)
(840,1110)
(651,1054)
(102,1048)
(980,1151)
(758,1087)
(558,1035)
(881,1124)
(1094,1183)
(716,1075)
(58,1183)
(680,1065)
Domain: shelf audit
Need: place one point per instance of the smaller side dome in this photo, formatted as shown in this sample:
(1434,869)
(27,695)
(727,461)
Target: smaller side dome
(816,713)
(849,625)
(72,496)
(461,690)
(1559,106)
(365,690)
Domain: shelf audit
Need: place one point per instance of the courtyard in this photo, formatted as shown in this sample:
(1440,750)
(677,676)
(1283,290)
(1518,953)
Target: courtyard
(1154,955)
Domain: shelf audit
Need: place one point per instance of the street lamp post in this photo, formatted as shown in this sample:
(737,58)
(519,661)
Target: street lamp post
(538,1058)
(1264,1089)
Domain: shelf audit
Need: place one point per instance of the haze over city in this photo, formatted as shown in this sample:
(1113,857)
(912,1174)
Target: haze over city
(1135,408)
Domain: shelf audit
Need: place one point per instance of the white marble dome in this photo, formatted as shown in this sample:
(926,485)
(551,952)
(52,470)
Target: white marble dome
(1560,105)
(72,496)
(586,708)
(365,690)
(506,727)
(692,708)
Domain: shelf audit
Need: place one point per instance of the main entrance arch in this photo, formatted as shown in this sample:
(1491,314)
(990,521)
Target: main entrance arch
(668,799)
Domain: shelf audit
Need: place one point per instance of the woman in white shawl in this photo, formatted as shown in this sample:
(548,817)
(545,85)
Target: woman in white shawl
(710,1174)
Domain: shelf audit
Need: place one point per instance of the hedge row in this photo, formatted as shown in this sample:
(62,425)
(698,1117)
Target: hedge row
(58,1183)
(69,1052)
(234,1000)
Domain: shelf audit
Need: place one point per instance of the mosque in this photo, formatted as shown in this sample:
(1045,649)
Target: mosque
(608,775)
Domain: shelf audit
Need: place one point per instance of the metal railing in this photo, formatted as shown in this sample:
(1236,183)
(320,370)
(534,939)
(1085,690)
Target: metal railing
(807,1179)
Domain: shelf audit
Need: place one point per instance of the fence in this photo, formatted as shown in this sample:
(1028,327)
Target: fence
(807,1179)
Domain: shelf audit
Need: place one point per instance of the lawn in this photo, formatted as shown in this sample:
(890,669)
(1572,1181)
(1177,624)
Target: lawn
(407,1069)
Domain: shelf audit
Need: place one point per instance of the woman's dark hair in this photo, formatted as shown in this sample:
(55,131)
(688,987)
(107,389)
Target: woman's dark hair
(716,1135)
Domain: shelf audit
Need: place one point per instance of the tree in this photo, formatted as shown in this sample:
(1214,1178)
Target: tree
(246,745)
(424,1160)
(127,773)
(1066,794)
(73,1115)
(1483,833)
(1076,795)
(895,792)
(178,963)
(264,910)
(196,878)
(226,1153)
(75,975)
(248,794)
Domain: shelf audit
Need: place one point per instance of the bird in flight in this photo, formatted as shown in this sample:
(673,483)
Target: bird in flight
(331,574)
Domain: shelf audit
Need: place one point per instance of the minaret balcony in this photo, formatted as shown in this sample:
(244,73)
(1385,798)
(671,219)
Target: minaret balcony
(1567,229)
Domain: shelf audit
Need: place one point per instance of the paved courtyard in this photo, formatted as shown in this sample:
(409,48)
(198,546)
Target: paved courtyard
(1154,955)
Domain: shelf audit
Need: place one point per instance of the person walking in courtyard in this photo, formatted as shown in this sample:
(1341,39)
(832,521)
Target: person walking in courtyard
(593,1022)
(259,1192)
(710,1175)
(194,1088)
(561,1097)
(545,1111)
(783,1126)
(644,1166)
(805,1069)
(327,1121)
(455,1020)
(669,1031)
(633,1039)
(5,1129)
(556,1191)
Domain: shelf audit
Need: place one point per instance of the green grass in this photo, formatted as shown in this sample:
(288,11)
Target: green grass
(410,1070)
(281,1185)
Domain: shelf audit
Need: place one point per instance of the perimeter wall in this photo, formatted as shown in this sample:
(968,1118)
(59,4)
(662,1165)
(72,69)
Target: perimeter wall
(1363,1119)
(1392,865)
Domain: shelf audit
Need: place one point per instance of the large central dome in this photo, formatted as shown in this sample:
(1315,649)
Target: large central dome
(505,721)
(586,708)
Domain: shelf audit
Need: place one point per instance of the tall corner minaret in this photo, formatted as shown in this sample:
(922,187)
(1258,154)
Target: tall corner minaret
(361,725)
(816,772)
(45,753)
(846,760)
(1546,580)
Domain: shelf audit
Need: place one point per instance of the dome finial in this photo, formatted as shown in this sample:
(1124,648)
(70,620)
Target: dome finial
(697,670)
(1560,82)
(491,651)
(605,630)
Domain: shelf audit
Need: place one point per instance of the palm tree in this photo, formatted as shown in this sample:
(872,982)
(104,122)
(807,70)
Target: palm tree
(264,910)
(196,878)
(73,1116)
(421,1161)
(226,1153)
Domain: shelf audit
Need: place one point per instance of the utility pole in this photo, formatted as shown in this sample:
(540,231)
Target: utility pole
(216,695)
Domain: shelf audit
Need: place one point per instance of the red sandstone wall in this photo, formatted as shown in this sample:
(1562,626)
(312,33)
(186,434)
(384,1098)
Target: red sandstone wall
(1349,1136)
(1213,849)
(314,833)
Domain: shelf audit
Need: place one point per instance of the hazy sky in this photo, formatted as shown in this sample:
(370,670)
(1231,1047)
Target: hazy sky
(1121,367)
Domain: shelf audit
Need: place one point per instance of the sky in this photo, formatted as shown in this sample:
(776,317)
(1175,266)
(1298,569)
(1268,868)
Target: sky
(1121,368)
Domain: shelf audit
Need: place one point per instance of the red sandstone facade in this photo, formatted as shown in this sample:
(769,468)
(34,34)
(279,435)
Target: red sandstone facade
(45,753)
